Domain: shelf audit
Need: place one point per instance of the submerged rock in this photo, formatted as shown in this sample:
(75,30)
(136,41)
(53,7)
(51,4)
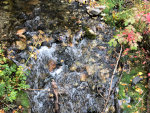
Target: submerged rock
(89,33)
(136,80)
(93,11)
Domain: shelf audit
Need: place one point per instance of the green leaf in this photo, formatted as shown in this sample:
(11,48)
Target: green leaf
(130,20)
(133,48)
(13,95)
(112,42)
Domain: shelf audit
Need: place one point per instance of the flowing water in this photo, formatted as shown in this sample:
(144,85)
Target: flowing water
(81,67)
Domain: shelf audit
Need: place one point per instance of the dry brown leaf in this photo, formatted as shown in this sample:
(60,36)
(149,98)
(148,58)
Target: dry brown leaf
(20,33)
(51,65)
(83,77)
(71,45)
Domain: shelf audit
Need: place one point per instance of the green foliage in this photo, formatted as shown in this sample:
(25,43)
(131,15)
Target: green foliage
(133,33)
(112,42)
(12,80)
(136,93)
(137,25)
(111,6)
(22,99)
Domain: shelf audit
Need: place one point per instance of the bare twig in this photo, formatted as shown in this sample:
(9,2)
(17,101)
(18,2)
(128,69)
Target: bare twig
(55,90)
(110,88)
(29,89)
(101,94)
(140,99)
(118,81)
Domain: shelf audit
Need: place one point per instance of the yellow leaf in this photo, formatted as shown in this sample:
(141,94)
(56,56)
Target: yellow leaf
(41,32)
(140,73)
(62,61)
(139,90)
(20,107)
(129,106)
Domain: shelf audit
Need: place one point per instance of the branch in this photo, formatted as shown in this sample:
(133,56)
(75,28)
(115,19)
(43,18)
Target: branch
(110,88)
(29,89)
(55,90)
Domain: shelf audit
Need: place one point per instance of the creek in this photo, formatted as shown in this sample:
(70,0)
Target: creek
(59,48)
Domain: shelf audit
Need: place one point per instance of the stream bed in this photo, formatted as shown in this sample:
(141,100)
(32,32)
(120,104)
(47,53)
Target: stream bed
(56,46)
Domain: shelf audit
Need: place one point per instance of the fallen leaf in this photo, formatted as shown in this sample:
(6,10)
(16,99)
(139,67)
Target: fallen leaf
(41,32)
(51,65)
(83,77)
(20,107)
(62,61)
(20,33)
(51,95)
(129,106)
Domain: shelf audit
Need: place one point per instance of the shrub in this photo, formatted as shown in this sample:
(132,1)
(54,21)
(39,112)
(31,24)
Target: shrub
(12,80)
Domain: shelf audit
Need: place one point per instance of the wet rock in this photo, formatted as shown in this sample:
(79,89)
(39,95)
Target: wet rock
(103,75)
(136,80)
(43,76)
(45,43)
(51,65)
(68,33)
(89,33)
(79,35)
(93,11)
(76,84)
